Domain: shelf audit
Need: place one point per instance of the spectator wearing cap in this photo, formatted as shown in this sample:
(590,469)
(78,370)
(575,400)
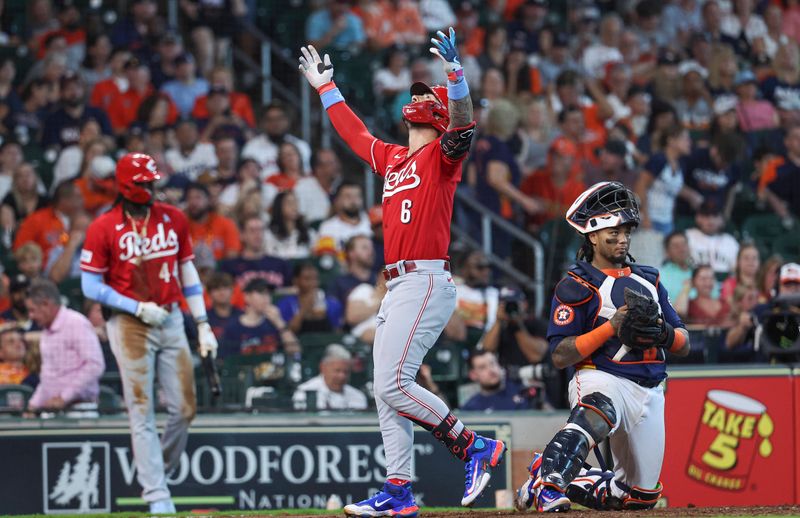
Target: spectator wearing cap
(314,192)
(260,329)
(220,311)
(186,88)
(556,58)
(135,30)
(781,185)
(714,173)
(336,26)
(330,385)
(709,243)
(63,262)
(495,393)
(554,184)
(72,360)
(221,122)
(288,235)
(107,90)
(62,127)
(693,106)
(274,125)
(310,310)
(666,81)
(606,49)
(612,165)
(14,360)
(239,102)
(527,23)
(188,156)
(47,227)
(125,106)
(17,313)
(660,182)
(208,227)
(162,62)
(754,114)
(349,218)
(253,261)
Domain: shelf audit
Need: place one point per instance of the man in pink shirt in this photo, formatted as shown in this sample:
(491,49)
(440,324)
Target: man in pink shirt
(72,361)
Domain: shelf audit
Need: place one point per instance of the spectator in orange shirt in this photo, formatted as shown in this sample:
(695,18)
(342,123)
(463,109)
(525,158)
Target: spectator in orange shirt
(106,91)
(240,104)
(554,183)
(47,227)
(97,185)
(207,227)
(125,106)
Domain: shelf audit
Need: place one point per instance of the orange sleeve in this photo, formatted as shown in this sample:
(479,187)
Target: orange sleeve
(769,174)
(231,233)
(243,108)
(28,230)
(200,110)
(536,81)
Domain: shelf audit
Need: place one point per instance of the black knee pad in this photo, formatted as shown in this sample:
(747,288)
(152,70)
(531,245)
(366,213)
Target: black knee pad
(594,415)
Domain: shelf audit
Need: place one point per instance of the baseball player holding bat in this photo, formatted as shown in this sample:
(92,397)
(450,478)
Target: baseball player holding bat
(419,184)
(137,261)
(611,320)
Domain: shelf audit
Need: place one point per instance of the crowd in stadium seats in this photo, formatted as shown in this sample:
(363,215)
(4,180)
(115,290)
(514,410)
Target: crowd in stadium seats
(693,104)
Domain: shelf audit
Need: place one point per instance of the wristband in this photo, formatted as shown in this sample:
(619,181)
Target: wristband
(459,89)
(679,340)
(588,343)
(329,94)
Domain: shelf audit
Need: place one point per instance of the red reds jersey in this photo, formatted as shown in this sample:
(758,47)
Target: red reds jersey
(418,190)
(139,264)
(418,195)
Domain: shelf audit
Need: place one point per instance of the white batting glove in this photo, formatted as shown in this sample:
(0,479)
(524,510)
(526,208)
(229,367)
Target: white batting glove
(151,313)
(318,72)
(207,340)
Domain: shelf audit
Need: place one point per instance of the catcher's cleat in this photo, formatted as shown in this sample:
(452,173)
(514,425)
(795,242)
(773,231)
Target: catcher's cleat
(392,500)
(533,494)
(593,489)
(483,454)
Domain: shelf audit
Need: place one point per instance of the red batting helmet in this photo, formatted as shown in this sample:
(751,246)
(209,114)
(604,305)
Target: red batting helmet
(428,112)
(134,169)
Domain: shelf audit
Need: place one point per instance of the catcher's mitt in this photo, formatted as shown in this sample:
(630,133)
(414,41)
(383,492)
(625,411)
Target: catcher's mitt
(642,327)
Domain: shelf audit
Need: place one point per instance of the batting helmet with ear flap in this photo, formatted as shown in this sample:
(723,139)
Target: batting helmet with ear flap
(603,205)
(133,170)
(428,112)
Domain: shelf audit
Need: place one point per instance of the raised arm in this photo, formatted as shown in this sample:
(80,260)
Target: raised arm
(319,74)
(459,102)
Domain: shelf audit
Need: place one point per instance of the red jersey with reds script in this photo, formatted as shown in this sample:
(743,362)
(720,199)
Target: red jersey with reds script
(418,190)
(142,264)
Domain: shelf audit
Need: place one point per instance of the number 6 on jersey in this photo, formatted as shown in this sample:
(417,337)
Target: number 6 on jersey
(405,211)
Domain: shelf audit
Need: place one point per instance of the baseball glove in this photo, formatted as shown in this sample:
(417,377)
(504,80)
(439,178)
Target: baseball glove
(643,326)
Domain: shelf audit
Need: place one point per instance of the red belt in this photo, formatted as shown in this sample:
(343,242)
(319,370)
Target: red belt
(394,272)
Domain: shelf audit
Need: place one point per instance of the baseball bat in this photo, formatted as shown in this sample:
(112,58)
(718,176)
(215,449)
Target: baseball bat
(212,376)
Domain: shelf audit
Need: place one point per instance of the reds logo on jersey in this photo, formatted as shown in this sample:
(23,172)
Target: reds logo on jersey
(161,244)
(403,180)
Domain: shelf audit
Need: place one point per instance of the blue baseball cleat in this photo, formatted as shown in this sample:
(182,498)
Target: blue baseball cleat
(392,500)
(483,454)
(533,493)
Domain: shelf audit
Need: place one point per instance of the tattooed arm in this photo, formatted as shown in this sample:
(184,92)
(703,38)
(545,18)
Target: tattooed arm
(460,112)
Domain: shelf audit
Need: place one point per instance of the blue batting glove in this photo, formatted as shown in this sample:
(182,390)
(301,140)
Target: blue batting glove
(445,48)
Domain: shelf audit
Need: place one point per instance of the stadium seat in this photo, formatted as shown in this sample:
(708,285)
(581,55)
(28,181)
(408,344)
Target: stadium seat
(14,398)
(763,230)
(788,246)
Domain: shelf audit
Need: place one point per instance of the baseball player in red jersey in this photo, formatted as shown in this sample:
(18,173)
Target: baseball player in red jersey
(419,184)
(137,260)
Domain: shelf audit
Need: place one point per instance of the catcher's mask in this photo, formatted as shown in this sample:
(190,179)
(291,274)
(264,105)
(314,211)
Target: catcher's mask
(433,113)
(603,205)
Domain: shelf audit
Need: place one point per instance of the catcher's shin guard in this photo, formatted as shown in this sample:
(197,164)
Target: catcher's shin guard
(641,499)
(590,422)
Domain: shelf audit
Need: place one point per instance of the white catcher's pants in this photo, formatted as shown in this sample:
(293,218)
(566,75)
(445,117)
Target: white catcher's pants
(140,350)
(638,437)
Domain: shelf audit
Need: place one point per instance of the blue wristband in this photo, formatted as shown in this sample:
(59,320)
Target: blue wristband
(196,289)
(457,90)
(331,97)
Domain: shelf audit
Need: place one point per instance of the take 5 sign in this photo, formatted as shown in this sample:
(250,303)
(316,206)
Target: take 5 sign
(731,438)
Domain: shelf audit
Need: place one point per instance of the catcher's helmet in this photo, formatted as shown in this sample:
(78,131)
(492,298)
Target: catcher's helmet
(428,112)
(134,169)
(603,205)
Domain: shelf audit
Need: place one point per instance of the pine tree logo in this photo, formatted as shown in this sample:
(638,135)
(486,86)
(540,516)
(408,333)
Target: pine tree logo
(76,477)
